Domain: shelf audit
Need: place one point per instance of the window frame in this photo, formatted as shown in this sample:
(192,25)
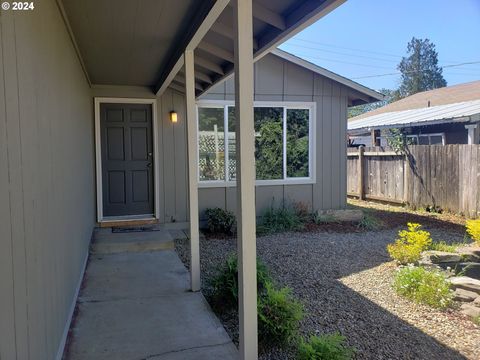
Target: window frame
(286,105)
(418,136)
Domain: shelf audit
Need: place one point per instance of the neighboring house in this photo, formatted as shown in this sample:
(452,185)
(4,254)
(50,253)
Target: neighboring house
(307,163)
(448,115)
(98,104)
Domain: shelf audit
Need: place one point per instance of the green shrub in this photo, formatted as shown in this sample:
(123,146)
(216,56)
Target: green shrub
(225,283)
(473,229)
(409,245)
(281,219)
(325,347)
(369,223)
(424,286)
(279,316)
(220,221)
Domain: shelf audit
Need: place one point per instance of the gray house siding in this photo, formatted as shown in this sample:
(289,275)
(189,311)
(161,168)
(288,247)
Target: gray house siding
(46,180)
(275,80)
(279,80)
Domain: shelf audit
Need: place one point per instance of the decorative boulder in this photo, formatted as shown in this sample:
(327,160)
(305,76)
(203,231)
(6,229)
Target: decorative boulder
(464,295)
(439,257)
(470,310)
(466,283)
(343,215)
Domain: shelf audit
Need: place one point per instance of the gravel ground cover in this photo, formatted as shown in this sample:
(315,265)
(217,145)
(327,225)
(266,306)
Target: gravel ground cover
(344,281)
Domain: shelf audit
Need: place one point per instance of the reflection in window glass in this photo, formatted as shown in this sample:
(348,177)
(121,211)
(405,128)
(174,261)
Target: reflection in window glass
(268,142)
(423,140)
(211,144)
(231,143)
(297,143)
(436,140)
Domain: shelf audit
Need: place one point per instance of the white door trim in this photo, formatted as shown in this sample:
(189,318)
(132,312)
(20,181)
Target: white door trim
(98,150)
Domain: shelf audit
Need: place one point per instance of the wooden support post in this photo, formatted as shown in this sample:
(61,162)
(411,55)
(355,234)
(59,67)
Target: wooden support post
(471,129)
(375,137)
(361,190)
(245,137)
(192,170)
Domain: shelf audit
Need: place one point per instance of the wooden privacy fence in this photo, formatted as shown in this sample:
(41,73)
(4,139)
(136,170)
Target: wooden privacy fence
(425,175)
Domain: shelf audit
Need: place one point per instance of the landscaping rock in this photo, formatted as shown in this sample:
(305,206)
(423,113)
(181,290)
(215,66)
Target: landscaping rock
(470,310)
(470,250)
(476,302)
(437,257)
(466,283)
(464,295)
(470,269)
(343,215)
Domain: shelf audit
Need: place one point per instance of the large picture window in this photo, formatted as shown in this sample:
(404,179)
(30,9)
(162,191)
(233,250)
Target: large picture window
(283,143)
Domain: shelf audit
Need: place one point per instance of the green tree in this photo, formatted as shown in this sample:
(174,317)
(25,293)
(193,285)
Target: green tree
(420,69)
(390,96)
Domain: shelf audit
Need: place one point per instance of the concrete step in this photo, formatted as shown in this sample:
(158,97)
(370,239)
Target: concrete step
(107,242)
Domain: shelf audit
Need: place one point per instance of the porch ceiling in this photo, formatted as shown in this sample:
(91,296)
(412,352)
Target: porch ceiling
(139,42)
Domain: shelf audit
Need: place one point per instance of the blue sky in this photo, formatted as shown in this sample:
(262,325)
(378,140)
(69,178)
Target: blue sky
(368,37)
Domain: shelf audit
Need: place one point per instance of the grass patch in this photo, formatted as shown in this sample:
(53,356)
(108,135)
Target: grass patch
(281,219)
(370,223)
(330,346)
(443,246)
(424,286)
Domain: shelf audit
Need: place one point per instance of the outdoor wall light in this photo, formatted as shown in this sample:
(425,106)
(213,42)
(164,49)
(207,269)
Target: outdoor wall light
(173,117)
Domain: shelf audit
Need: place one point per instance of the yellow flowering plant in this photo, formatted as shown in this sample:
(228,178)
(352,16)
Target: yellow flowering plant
(473,230)
(410,243)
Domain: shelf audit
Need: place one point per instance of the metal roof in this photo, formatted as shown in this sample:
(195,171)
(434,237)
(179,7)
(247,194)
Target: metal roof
(457,112)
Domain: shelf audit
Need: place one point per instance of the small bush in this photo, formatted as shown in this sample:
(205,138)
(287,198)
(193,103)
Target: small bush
(423,286)
(370,223)
(220,221)
(473,230)
(325,347)
(282,219)
(408,247)
(225,284)
(279,316)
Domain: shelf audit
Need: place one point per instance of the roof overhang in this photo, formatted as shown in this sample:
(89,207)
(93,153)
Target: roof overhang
(141,43)
(362,93)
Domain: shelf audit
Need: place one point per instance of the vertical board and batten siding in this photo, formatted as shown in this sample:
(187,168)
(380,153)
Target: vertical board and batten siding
(275,80)
(47,189)
(279,80)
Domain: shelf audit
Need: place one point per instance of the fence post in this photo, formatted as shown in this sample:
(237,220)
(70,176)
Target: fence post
(361,190)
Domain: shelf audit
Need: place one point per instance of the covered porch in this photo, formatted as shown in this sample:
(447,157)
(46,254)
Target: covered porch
(198,45)
(61,62)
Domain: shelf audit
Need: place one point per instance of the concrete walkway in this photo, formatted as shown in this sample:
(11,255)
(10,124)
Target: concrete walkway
(137,305)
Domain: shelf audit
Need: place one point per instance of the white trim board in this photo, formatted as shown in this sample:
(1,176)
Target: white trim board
(98,151)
